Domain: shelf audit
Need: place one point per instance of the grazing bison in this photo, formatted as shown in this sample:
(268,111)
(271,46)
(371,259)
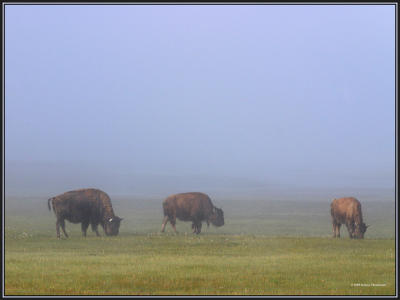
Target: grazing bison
(195,207)
(86,206)
(348,211)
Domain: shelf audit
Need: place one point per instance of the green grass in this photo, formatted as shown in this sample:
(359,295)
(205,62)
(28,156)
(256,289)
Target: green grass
(266,251)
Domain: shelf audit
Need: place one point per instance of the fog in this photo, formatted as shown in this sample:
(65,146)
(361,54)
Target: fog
(236,101)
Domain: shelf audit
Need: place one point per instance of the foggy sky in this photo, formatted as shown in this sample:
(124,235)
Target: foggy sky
(238,95)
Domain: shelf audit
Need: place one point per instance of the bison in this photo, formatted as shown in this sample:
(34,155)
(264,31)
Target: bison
(86,206)
(195,207)
(348,211)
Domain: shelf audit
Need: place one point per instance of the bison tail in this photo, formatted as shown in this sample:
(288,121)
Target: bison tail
(48,203)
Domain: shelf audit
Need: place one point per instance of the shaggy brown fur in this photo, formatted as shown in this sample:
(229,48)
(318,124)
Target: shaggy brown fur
(348,211)
(195,207)
(86,206)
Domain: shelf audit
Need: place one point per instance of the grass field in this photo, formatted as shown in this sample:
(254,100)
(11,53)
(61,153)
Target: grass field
(264,248)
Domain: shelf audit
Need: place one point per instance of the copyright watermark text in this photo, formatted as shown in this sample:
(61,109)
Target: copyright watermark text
(368,284)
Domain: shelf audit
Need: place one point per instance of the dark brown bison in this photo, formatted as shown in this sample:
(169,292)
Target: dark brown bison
(194,207)
(86,206)
(348,211)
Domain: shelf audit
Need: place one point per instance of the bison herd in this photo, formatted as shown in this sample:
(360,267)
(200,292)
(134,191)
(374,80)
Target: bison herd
(93,206)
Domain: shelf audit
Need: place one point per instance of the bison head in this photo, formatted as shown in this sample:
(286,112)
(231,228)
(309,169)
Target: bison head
(217,217)
(359,230)
(111,226)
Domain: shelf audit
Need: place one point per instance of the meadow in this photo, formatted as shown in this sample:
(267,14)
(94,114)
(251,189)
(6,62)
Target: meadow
(266,247)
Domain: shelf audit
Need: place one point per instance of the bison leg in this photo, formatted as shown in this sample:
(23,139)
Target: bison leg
(350,229)
(173,222)
(94,228)
(198,227)
(336,229)
(62,223)
(194,227)
(164,223)
(84,227)
(353,230)
(58,228)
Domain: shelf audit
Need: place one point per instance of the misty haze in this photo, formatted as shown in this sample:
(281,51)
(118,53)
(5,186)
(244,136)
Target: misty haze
(179,104)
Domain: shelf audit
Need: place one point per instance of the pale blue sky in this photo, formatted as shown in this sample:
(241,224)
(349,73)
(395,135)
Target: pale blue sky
(288,94)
